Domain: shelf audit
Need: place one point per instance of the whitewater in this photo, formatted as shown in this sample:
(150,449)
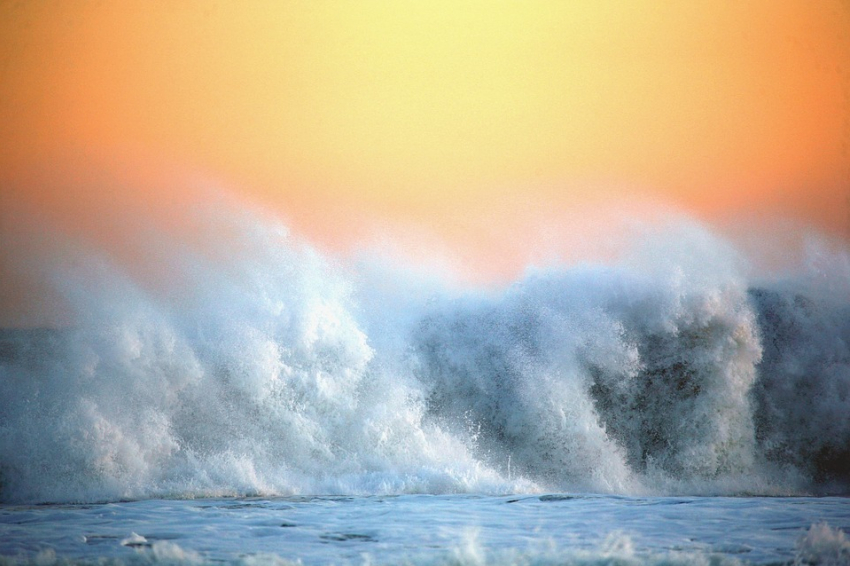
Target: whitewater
(648,409)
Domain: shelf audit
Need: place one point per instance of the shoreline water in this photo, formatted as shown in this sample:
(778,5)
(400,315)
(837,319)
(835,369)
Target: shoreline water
(432,529)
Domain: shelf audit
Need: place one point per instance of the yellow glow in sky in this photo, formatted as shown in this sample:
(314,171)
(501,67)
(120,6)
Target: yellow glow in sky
(425,112)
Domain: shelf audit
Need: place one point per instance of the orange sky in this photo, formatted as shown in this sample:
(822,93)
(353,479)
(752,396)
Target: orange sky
(453,117)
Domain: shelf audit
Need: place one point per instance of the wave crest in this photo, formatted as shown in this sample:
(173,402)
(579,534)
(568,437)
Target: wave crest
(266,368)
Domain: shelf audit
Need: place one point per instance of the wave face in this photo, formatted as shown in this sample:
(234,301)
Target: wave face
(268,369)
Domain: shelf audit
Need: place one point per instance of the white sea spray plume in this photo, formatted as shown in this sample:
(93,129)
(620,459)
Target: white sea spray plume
(245,376)
(594,377)
(254,364)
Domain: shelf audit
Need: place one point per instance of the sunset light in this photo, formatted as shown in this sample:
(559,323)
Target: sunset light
(473,123)
(424,282)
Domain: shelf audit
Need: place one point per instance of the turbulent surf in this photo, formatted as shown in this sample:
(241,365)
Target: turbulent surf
(266,368)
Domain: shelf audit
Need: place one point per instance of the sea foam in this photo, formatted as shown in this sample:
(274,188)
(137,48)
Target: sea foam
(264,367)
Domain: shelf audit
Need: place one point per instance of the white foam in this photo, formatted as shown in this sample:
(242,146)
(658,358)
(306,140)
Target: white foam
(823,545)
(266,368)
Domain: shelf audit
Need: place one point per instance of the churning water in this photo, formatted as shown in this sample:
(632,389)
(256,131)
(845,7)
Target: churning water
(267,370)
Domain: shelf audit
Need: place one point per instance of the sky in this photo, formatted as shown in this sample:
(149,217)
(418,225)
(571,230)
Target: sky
(488,130)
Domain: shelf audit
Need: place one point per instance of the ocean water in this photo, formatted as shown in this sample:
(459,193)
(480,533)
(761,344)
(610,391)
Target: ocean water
(251,395)
(433,529)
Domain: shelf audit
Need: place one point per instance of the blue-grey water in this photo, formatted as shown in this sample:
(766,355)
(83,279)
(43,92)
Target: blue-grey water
(436,529)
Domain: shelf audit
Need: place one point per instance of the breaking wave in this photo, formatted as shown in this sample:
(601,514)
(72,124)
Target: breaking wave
(267,368)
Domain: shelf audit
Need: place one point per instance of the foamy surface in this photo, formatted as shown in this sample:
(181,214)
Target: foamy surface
(425,529)
(192,416)
(265,368)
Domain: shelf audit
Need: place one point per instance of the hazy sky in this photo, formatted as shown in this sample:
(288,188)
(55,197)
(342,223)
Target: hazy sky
(471,122)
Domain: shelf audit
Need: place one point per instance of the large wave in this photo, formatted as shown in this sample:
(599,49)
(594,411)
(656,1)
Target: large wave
(266,368)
